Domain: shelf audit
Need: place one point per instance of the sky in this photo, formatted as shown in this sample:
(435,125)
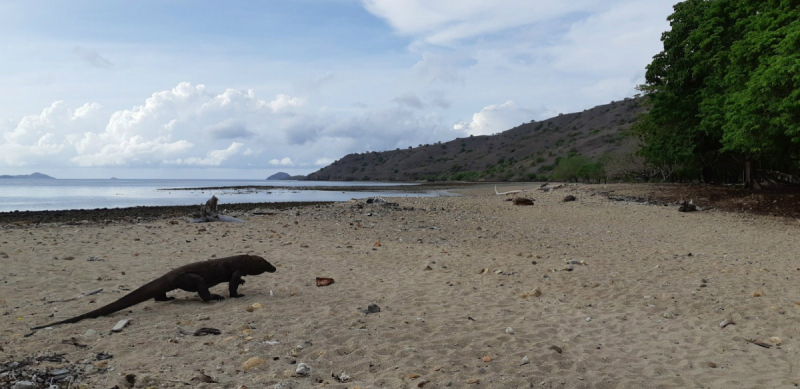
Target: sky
(245,89)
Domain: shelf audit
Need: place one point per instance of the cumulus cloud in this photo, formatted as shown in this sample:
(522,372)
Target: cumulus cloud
(212,158)
(229,129)
(92,58)
(286,161)
(496,118)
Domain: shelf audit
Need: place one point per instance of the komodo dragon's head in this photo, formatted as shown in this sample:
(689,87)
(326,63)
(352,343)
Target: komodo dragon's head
(255,265)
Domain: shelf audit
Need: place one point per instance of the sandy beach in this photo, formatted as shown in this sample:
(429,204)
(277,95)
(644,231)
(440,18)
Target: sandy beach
(473,291)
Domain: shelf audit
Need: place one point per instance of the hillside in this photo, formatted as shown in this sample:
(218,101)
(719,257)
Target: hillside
(526,152)
(36,175)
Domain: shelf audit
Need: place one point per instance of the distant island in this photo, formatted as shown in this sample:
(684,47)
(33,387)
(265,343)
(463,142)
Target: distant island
(284,176)
(34,175)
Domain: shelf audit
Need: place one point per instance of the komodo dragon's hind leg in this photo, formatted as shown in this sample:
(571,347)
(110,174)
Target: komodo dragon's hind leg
(195,283)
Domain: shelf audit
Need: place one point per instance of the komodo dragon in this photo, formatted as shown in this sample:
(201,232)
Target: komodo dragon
(194,277)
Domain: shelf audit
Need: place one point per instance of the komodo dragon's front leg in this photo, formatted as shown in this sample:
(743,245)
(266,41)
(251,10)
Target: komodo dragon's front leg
(194,283)
(233,284)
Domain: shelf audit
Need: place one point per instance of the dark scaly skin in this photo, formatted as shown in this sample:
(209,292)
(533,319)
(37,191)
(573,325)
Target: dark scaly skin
(194,277)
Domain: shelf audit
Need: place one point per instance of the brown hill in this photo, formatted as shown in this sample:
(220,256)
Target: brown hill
(526,152)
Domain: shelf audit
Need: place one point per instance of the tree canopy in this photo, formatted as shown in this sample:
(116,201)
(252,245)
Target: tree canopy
(725,90)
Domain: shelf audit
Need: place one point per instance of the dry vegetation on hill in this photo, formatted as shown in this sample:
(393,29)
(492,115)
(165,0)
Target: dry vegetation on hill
(528,152)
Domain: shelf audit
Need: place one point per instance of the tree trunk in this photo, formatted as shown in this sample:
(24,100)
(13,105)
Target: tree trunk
(748,176)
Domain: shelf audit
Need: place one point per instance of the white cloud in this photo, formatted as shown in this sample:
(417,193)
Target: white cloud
(496,118)
(213,157)
(286,161)
(323,162)
(283,102)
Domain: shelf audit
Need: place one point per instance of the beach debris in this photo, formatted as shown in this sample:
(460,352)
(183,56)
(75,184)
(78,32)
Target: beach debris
(758,343)
(206,331)
(502,193)
(522,201)
(760,293)
(3,255)
(474,381)
(576,262)
(510,331)
(74,342)
(372,308)
(209,213)
(120,325)
(102,356)
(341,378)
(588,319)
(776,340)
(726,323)
(556,349)
(253,362)
(303,370)
(569,198)
(525,361)
(94,259)
(203,377)
(324,281)
(687,207)
(253,307)
(280,385)
(711,365)
(668,315)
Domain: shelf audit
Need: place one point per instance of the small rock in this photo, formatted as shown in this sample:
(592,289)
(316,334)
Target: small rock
(776,340)
(284,385)
(24,385)
(510,331)
(303,370)
(372,308)
(525,360)
(588,318)
(253,362)
(474,381)
(726,323)
(522,201)
(758,294)
(253,307)
(569,198)
(711,365)
(486,359)
(668,315)
(556,349)
(120,325)
(90,332)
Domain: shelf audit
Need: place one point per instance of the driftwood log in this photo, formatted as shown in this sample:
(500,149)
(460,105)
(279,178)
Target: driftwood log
(209,213)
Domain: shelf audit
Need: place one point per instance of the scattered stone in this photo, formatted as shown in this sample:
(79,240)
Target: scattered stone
(556,349)
(588,318)
(510,331)
(522,201)
(94,259)
(90,332)
(103,356)
(207,331)
(712,365)
(121,324)
(253,307)
(324,281)
(284,385)
(668,315)
(525,361)
(253,362)
(25,385)
(303,370)
(486,359)
(760,293)
(474,381)
(776,340)
(569,198)
(687,207)
(372,308)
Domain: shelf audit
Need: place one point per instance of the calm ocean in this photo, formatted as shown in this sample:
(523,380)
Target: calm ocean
(63,194)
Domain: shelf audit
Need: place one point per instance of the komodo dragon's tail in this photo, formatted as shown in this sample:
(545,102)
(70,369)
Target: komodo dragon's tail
(140,295)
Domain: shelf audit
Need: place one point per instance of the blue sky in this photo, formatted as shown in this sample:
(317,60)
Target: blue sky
(162,89)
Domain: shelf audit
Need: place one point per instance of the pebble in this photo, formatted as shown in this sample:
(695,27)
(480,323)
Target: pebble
(510,331)
(372,308)
(253,307)
(525,360)
(253,362)
(90,332)
(588,319)
(474,381)
(668,315)
(486,359)
(24,385)
(284,385)
(776,340)
(303,370)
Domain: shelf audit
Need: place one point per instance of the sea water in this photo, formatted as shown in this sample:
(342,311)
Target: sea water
(28,194)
